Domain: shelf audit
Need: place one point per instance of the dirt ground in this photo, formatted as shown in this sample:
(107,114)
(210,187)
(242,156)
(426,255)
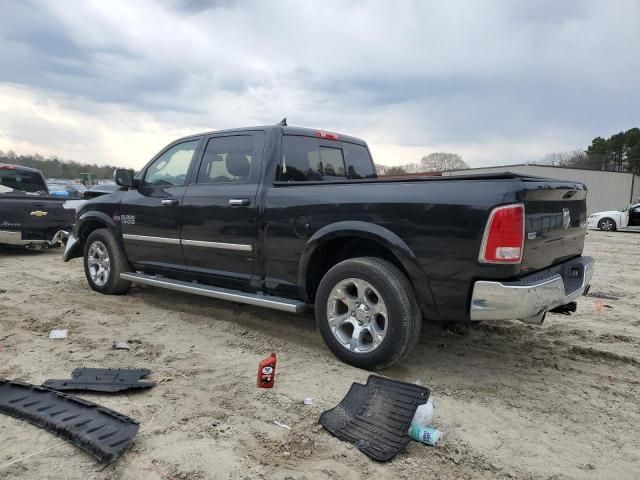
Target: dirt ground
(557,401)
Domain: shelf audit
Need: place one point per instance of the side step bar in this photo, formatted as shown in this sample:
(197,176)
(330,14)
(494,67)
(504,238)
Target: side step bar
(276,303)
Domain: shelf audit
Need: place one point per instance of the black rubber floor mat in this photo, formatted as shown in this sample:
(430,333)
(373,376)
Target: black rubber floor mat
(100,431)
(102,380)
(376,417)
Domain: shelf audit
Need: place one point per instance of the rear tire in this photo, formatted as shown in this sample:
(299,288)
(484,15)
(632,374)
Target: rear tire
(607,224)
(367,312)
(104,261)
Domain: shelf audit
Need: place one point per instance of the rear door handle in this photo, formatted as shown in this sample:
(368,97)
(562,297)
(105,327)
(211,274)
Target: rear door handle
(170,201)
(239,202)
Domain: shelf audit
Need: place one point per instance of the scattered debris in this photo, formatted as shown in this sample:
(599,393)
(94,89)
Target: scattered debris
(280,424)
(308,401)
(2,290)
(102,432)
(603,296)
(120,345)
(424,415)
(102,380)
(380,405)
(427,435)
(598,304)
(267,371)
(58,334)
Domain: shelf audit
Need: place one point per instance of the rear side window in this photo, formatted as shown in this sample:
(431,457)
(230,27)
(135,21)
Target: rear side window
(358,161)
(227,159)
(304,159)
(22,180)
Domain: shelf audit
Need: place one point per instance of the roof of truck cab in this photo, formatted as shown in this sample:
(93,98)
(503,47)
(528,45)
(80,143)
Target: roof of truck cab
(288,130)
(18,167)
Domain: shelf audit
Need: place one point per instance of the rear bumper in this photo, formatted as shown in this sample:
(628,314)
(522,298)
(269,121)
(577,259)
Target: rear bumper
(12,237)
(529,298)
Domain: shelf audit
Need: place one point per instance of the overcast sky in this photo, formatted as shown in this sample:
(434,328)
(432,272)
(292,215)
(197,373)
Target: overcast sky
(497,82)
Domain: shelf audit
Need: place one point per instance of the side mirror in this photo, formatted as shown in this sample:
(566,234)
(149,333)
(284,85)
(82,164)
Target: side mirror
(123,177)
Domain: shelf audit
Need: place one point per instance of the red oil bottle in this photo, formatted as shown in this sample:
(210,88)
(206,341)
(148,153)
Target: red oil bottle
(267,372)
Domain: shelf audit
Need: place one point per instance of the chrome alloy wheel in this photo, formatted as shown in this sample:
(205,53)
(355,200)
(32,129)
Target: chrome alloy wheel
(98,263)
(357,315)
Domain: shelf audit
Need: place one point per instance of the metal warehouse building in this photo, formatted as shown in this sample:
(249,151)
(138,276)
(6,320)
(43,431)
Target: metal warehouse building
(607,190)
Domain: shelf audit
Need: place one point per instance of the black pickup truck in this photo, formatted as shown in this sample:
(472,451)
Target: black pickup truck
(286,217)
(29,216)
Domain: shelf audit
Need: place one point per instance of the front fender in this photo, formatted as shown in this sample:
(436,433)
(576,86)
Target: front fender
(385,238)
(86,223)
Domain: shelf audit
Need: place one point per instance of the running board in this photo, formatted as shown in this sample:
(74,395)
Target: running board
(276,303)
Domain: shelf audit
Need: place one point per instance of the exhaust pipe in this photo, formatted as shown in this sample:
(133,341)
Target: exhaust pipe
(537,319)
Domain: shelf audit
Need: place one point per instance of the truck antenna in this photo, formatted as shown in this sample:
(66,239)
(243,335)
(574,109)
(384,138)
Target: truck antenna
(283,122)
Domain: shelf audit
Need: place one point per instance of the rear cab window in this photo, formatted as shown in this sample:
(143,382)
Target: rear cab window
(310,159)
(22,180)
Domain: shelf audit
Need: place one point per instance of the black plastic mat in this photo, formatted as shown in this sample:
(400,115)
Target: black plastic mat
(375,417)
(100,431)
(102,380)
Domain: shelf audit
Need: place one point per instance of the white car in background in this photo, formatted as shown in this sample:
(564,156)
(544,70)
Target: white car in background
(614,219)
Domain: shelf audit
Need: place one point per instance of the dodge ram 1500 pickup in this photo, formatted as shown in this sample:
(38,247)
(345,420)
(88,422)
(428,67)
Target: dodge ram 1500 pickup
(285,218)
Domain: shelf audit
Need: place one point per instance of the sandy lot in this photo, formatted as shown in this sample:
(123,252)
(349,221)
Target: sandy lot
(557,401)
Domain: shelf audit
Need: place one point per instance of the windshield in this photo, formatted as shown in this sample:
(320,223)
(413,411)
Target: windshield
(22,180)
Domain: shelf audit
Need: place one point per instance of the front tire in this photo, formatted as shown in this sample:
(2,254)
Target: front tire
(607,224)
(104,261)
(367,312)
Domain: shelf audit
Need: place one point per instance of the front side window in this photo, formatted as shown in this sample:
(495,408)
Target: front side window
(172,166)
(227,159)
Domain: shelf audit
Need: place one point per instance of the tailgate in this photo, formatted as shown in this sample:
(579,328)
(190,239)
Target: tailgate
(556,217)
(33,213)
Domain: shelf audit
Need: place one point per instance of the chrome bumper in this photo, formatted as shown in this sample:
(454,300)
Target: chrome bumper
(529,298)
(15,238)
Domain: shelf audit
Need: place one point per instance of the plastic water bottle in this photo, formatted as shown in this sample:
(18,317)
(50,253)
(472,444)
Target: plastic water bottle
(424,414)
(427,435)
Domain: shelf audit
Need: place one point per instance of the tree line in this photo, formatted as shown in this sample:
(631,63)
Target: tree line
(436,162)
(618,153)
(53,167)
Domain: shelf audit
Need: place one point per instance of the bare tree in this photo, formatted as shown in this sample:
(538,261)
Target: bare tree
(442,162)
(572,159)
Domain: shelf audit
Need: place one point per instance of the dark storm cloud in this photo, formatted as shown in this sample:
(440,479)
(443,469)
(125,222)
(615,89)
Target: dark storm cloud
(421,72)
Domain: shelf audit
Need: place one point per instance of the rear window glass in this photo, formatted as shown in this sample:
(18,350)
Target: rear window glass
(20,180)
(358,161)
(304,159)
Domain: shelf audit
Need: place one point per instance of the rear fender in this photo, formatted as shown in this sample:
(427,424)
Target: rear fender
(386,239)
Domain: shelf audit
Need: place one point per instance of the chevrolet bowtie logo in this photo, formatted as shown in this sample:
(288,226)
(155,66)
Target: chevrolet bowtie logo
(38,213)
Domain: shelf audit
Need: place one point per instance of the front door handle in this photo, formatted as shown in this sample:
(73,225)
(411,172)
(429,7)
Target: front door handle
(239,202)
(170,201)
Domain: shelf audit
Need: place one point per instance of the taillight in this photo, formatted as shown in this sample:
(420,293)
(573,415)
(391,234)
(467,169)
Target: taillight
(4,166)
(327,135)
(503,239)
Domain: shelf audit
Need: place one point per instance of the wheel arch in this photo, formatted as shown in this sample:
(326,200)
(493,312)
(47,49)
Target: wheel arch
(349,239)
(616,222)
(87,223)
